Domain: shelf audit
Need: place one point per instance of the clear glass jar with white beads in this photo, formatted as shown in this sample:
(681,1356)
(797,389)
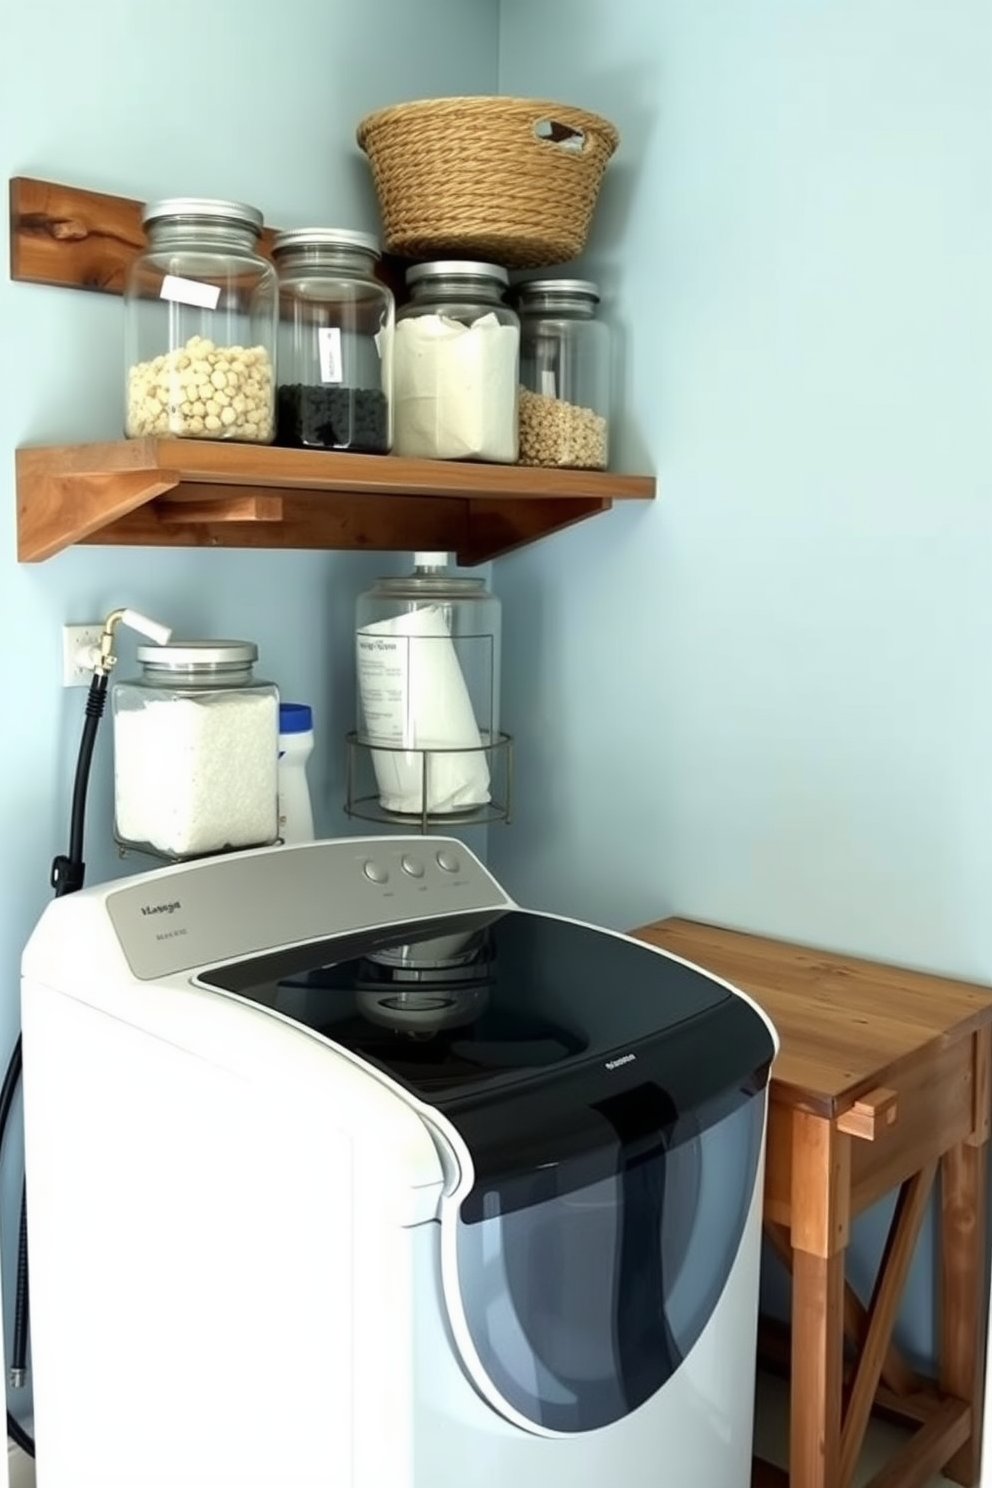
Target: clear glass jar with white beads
(200,314)
(565,371)
(196,745)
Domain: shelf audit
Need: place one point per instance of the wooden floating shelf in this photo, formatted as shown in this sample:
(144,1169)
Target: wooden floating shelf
(198,493)
(201,493)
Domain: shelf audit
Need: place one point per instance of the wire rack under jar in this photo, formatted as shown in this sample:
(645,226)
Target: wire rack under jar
(362,796)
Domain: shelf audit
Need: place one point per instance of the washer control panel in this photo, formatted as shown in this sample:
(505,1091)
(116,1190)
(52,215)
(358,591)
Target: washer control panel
(218,909)
(415,865)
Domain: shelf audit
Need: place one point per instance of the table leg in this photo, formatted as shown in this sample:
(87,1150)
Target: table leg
(819,1232)
(962,1293)
(816,1373)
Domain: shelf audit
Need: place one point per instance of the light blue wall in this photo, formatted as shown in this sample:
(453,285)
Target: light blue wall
(253,102)
(760,701)
(765,701)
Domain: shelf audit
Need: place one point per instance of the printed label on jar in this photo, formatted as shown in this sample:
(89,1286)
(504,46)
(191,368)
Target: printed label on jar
(190,292)
(329,348)
(384,677)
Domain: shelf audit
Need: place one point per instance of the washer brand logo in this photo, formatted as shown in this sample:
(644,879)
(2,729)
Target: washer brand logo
(170,908)
(624,1059)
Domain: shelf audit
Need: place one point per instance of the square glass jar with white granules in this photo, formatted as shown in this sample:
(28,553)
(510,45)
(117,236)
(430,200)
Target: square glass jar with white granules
(196,751)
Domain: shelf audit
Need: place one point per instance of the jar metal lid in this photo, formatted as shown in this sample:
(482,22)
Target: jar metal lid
(203,206)
(326,237)
(456,269)
(583,287)
(432,583)
(198,653)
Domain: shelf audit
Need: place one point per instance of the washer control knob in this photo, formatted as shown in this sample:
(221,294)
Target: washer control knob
(413,866)
(375,872)
(448,861)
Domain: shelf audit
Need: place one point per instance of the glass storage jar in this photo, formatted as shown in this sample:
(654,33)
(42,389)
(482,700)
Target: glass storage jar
(196,740)
(456,365)
(564,374)
(200,325)
(335,345)
(428,668)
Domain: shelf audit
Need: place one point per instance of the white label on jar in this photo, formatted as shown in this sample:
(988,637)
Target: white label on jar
(190,292)
(383,676)
(548,387)
(329,347)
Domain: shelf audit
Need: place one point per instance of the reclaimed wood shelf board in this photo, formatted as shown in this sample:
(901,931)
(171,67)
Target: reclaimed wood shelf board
(202,493)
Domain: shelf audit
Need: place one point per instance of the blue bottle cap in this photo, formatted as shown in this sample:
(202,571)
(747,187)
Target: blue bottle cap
(295,718)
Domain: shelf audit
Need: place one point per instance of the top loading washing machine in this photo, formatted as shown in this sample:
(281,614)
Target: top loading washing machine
(346,1171)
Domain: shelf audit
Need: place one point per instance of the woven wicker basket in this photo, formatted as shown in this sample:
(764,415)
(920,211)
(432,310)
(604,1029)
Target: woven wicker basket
(510,180)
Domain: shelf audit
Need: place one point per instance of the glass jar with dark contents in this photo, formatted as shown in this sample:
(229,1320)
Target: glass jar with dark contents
(335,348)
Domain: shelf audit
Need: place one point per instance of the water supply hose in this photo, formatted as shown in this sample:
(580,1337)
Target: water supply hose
(68,874)
(69,870)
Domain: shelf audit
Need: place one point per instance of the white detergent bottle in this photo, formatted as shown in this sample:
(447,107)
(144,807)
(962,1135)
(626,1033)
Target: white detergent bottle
(295,748)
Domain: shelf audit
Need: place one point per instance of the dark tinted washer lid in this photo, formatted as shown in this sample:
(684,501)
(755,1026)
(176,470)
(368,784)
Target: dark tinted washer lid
(456,1007)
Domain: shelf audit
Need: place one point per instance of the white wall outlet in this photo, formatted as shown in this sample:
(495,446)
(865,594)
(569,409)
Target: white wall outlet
(76,641)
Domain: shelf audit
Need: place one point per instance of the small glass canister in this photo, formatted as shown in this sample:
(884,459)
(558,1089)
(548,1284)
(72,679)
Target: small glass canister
(200,325)
(564,375)
(196,742)
(335,345)
(457,365)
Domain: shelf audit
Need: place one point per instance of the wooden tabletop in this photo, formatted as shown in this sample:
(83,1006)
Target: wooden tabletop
(844,1023)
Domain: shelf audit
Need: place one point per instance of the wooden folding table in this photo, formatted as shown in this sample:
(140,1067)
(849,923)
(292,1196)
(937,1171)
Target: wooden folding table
(882,1083)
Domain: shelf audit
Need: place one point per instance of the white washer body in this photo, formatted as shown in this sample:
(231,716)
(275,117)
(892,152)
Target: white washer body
(235,1226)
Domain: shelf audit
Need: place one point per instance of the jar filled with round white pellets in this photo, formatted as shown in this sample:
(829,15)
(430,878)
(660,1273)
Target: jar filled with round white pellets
(196,744)
(564,374)
(200,316)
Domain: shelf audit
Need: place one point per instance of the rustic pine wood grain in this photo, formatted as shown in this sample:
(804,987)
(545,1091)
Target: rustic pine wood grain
(871,1115)
(982,1089)
(882,1312)
(937,1111)
(914,1408)
(844,1022)
(894,1039)
(73,238)
(817,1368)
(963,1303)
(238,504)
(896,1373)
(106,493)
(821,1185)
(308,522)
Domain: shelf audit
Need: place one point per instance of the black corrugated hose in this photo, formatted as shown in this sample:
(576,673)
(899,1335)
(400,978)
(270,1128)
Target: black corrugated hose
(68,875)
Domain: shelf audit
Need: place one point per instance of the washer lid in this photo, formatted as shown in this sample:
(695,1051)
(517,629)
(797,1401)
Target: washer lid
(469,1006)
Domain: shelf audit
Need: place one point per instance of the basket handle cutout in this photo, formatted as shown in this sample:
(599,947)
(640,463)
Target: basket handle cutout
(554,132)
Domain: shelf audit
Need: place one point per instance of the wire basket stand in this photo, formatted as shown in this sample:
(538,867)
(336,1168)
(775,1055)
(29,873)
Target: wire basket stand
(362,798)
